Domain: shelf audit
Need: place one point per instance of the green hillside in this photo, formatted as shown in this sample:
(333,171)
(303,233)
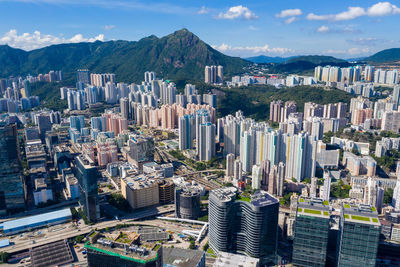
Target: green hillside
(254,101)
(388,55)
(316,59)
(180,55)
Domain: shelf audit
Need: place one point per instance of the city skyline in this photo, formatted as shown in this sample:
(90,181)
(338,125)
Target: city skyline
(342,29)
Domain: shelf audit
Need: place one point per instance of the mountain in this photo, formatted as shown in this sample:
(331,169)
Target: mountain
(266,59)
(316,59)
(180,55)
(388,55)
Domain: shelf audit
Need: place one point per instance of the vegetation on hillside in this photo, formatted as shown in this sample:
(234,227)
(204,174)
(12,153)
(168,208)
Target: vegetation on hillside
(178,55)
(49,94)
(387,55)
(254,101)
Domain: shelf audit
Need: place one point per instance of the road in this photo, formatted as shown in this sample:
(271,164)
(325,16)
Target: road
(83,229)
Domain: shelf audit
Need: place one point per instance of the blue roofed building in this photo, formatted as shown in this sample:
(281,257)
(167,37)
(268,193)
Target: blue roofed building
(37,221)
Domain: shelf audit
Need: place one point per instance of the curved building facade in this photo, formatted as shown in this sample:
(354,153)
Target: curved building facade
(243,225)
(187,203)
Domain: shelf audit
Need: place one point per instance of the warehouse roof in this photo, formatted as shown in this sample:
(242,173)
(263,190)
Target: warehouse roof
(37,219)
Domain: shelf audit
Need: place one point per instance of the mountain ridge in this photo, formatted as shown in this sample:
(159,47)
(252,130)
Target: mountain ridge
(179,55)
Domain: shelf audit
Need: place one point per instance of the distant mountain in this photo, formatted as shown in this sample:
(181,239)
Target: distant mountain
(180,55)
(388,55)
(266,59)
(316,59)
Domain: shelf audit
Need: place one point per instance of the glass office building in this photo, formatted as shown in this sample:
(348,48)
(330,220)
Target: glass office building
(12,197)
(311,233)
(359,235)
(87,173)
(245,225)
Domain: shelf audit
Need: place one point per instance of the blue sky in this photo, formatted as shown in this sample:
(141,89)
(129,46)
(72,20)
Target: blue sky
(341,28)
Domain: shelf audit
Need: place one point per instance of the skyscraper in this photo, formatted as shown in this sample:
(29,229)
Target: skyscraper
(124,106)
(213,74)
(83,76)
(86,172)
(230,163)
(230,217)
(149,76)
(359,235)
(187,131)
(11,189)
(206,144)
(275,111)
(311,233)
(396,195)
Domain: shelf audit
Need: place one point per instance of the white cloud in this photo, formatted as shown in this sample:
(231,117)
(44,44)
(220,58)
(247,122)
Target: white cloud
(203,10)
(237,12)
(289,13)
(323,29)
(252,50)
(383,9)
(30,41)
(379,9)
(351,51)
(252,28)
(367,41)
(290,20)
(108,27)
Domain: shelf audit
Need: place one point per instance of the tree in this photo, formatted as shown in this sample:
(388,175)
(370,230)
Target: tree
(327,137)
(118,201)
(387,196)
(192,245)
(285,200)
(206,246)
(79,238)
(4,256)
(307,180)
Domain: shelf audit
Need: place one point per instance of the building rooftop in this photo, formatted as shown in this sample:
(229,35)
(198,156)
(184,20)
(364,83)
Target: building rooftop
(225,194)
(123,250)
(52,254)
(181,257)
(37,219)
(225,259)
(313,207)
(262,198)
(140,181)
(360,213)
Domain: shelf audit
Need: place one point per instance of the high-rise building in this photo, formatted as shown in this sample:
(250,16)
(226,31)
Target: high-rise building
(44,124)
(187,202)
(359,235)
(124,106)
(230,217)
(325,191)
(86,172)
(220,74)
(149,76)
(369,73)
(311,233)
(214,74)
(237,171)
(83,76)
(256,177)
(396,195)
(187,131)
(206,144)
(230,163)
(391,121)
(11,188)
(275,111)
